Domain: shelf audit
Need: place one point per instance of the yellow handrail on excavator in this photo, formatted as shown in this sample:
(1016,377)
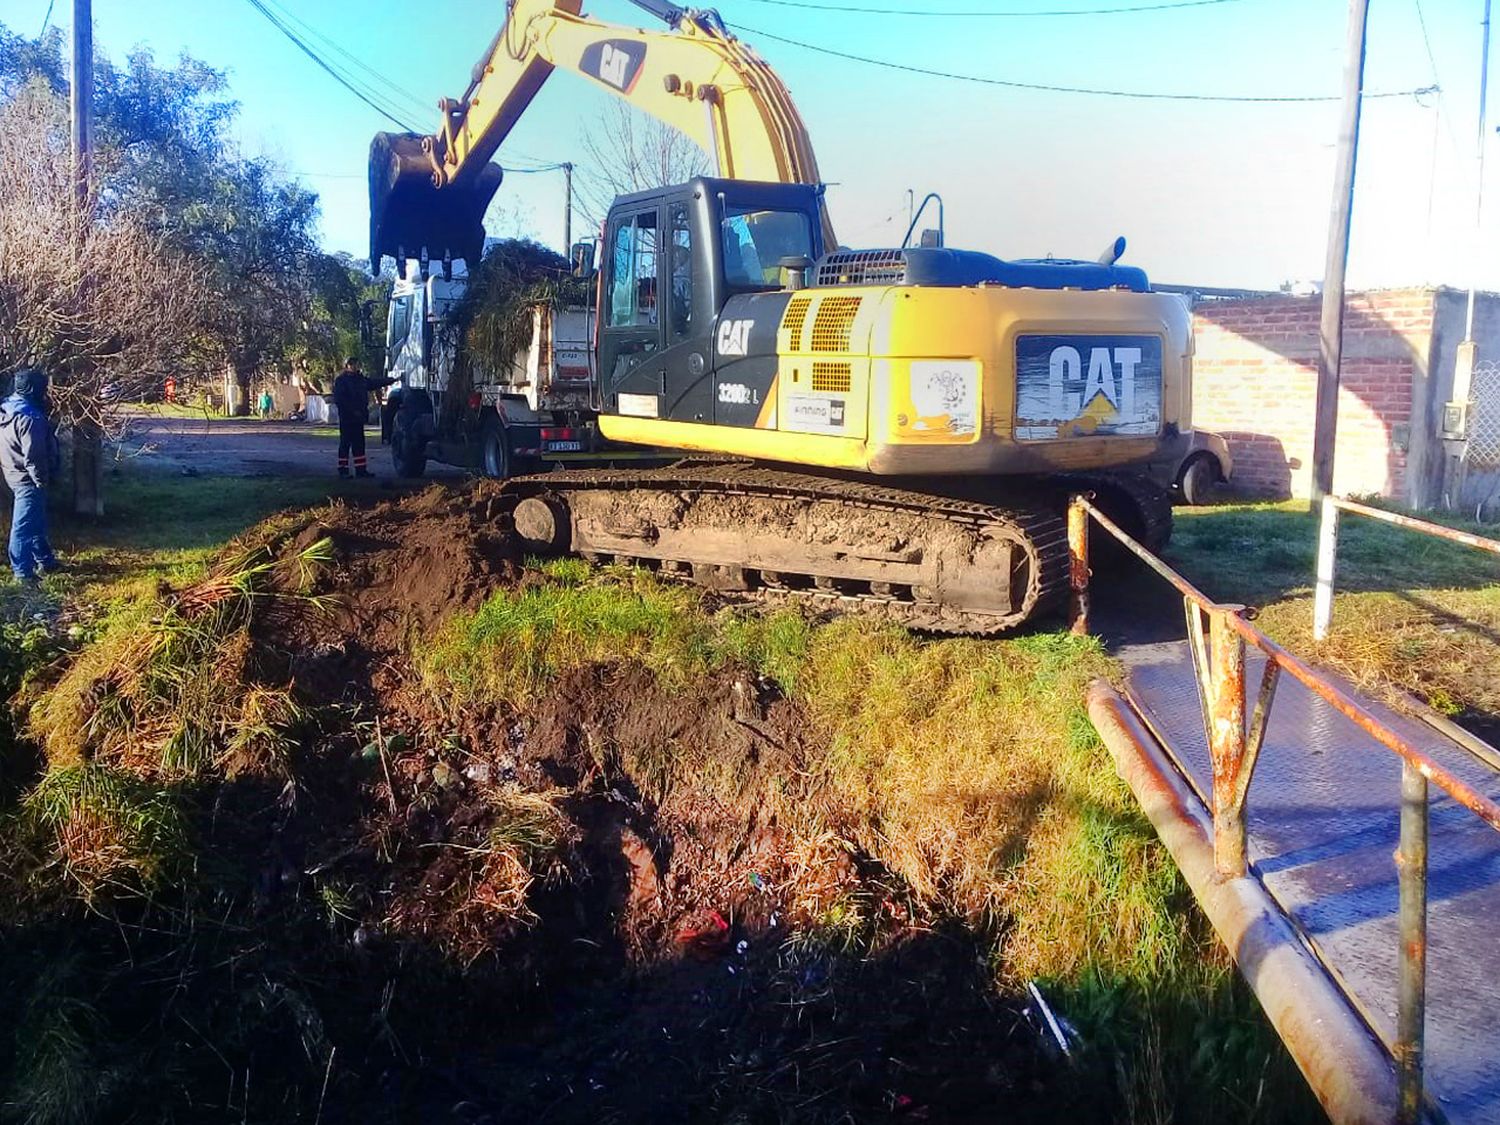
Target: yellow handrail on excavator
(428,194)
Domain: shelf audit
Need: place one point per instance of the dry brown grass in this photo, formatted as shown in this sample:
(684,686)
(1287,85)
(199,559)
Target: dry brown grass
(1442,646)
(169,688)
(476,891)
(99,830)
(1414,614)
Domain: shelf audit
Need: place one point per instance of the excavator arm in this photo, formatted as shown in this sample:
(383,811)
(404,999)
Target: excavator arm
(428,194)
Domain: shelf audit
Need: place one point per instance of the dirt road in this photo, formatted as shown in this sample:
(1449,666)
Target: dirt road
(245,447)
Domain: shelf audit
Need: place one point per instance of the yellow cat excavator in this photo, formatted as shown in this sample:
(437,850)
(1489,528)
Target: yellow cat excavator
(886,430)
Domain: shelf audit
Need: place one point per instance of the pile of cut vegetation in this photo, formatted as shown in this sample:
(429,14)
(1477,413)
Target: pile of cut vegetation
(380,821)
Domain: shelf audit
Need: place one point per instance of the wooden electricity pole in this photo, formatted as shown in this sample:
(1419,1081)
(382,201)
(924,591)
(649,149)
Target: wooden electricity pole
(1331,330)
(88,444)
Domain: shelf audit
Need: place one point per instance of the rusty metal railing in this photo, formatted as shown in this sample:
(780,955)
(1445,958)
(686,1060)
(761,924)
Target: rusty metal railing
(1328,545)
(1234,744)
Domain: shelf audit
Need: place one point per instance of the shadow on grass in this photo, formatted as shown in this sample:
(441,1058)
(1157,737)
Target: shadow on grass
(1449,620)
(1260,553)
(249,997)
(247,994)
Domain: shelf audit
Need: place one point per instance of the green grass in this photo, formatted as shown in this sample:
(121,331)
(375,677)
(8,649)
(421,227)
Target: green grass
(521,641)
(174,410)
(969,771)
(1412,613)
(155,528)
(966,770)
(102,829)
(1260,553)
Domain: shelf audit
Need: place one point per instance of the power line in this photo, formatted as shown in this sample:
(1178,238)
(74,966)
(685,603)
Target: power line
(421,105)
(1119,11)
(1426,42)
(1054,89)
(368,97)
(1444,117)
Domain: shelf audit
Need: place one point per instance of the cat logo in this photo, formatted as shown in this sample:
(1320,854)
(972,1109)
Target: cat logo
(1088,385)
(615,62)
(614,66)
(1065,368)
(734,337)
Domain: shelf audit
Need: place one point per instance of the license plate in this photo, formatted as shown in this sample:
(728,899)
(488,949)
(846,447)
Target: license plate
(564,446)
(1088,386)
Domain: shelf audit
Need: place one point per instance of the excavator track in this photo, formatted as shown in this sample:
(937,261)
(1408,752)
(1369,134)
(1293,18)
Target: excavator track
(927,562)
(1142,507)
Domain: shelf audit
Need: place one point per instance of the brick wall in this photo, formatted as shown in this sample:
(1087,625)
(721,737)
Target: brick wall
(1255,374)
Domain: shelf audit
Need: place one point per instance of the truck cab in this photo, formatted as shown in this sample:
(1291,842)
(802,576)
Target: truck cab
(496,422)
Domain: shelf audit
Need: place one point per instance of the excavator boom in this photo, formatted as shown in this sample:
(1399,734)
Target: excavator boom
(428,194)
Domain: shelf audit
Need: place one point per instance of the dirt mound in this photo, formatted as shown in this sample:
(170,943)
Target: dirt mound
(407,564)
(612,903)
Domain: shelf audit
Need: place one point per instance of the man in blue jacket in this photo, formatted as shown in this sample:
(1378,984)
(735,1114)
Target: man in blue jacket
(351,394)
(28,453)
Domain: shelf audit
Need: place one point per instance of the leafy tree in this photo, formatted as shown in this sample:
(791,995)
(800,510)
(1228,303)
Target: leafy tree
(94,303)
(347,312)
(264,295)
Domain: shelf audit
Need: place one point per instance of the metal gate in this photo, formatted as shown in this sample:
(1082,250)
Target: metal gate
(1481,486)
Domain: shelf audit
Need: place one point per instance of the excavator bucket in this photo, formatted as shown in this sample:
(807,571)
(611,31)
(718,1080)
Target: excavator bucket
(410,217)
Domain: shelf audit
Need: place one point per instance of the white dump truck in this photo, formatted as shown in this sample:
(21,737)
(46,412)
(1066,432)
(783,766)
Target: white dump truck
(539,409)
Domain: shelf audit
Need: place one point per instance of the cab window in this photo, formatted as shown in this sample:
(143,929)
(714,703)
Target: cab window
(400,323)
(633,255)
(681,311)
(755,240)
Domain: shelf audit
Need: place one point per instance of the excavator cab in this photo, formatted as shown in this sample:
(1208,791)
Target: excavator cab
(411,217)
(694,279)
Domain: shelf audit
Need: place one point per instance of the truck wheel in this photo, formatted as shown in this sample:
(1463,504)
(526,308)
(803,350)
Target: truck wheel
(408,440)
(1198,479)
(408,452)
(496,461)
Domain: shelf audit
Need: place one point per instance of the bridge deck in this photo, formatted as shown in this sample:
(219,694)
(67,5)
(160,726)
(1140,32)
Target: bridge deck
(1323,815)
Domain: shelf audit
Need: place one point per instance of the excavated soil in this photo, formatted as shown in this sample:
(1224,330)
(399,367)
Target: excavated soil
(663,964)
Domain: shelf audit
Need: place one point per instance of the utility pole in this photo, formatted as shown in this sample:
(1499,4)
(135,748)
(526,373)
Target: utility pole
(568,210)
(1484,89)
(1456,416)
(88,444)
(1331,330)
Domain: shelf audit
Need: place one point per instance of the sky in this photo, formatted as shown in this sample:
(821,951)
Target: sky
(1207,193)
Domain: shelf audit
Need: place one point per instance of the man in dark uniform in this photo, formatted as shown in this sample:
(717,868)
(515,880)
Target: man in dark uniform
(351,395)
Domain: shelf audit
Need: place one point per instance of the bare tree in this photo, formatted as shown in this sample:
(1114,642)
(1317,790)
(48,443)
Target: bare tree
(626,150)
(95,303)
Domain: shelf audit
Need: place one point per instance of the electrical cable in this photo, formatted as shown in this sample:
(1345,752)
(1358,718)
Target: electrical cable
(1056,89)
(370,98)
(420,105)
(410,100)
(1437,81)
(1118,11)
(46,19)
